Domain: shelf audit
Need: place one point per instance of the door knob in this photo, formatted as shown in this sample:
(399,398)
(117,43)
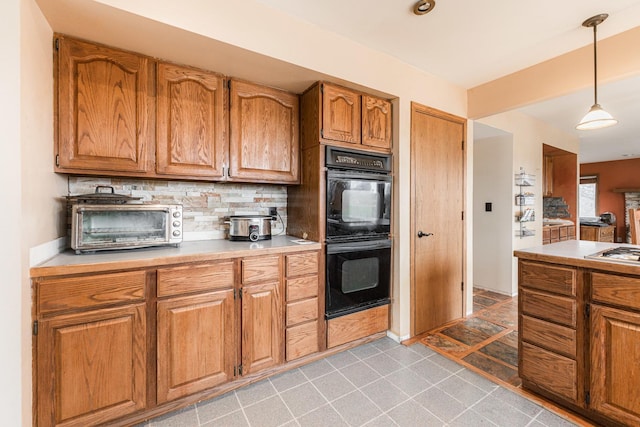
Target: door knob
(421,234)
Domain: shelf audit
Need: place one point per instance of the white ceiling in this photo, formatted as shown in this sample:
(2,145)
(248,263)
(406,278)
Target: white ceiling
(473,42)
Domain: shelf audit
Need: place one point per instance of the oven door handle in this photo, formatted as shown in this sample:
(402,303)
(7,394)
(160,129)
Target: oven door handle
(336,248)
(359,175)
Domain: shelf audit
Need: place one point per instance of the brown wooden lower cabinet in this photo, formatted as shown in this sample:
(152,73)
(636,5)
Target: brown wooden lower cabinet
(91,366)
(598,234)
(122,346)
(196,348)
(588,359)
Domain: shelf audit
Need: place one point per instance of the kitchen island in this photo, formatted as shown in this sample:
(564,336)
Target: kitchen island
(579,329)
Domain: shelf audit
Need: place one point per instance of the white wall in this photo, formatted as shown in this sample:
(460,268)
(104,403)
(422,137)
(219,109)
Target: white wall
(493,231)
(11,365)
(529,134)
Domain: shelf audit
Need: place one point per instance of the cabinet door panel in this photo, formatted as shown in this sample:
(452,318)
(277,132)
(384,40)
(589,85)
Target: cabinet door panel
(91,366)
(104,109)
(615,354)
(264,143)
(195,343)
(191,122)
(262,327)
(376,122)
(340,114)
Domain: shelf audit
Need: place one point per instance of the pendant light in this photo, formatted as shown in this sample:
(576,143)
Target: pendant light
(596,118)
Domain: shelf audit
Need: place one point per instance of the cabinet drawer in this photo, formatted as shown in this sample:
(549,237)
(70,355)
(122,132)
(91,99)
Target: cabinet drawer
(550,278)
(549,371)
(260,270)
(302,287)
(553,337)
(194,278)
(606,234)
(299,264)
(617,290)
(90,291)
(549,307)
(301,340)
(302,311)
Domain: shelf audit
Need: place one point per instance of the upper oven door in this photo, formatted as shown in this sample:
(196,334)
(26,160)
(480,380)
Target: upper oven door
(358,205)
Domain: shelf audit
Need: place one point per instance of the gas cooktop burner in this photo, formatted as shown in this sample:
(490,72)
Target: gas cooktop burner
(621,254)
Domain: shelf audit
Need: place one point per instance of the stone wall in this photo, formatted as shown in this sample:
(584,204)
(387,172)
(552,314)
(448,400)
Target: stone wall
(205,204)
(631,201)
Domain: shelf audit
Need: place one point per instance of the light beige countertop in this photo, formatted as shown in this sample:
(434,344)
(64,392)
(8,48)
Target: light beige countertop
(573,252)
(196,251)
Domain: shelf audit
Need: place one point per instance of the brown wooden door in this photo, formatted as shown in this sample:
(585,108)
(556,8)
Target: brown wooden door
(615,354)
(262,327)
(91,366)
(104,109)
(340,114)
(437,164)
(376,122)
(196,346)
(191,122)
(264,136)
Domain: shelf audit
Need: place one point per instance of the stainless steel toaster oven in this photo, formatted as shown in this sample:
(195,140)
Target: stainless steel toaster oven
(97,227)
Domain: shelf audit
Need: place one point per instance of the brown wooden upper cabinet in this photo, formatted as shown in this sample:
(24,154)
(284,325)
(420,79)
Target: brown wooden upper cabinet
(354,118)
(104,109)
(264,142)
(124,114)
(191,122)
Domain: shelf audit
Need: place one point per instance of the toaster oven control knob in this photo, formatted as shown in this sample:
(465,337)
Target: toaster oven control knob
(176,223)
(176,214)
(176,233)
(254,236)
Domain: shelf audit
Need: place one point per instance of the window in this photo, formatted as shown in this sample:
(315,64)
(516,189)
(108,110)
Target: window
(588,196)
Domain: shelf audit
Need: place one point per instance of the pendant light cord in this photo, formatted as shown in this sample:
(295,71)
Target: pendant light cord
(595,66)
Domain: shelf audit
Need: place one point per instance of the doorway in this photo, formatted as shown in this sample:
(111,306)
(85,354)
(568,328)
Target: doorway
(437,217)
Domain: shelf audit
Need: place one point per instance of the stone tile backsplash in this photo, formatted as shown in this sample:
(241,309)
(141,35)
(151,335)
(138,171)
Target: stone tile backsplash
(205,204)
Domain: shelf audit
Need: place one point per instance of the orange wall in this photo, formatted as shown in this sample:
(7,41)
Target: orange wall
(611,176)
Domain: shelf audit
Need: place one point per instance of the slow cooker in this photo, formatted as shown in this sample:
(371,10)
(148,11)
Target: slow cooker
(249,227)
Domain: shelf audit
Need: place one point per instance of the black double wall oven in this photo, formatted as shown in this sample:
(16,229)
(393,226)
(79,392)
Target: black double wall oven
(358,248)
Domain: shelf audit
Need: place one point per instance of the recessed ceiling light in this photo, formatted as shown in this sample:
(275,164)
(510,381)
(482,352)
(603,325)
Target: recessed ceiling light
(424,6)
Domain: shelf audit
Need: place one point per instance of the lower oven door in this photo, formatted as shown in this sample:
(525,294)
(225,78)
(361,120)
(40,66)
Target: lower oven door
(358,276)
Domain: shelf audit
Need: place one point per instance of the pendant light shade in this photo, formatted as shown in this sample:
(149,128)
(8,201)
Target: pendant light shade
(597,117)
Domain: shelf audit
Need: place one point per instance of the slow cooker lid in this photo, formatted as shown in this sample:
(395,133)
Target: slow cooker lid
(250,217)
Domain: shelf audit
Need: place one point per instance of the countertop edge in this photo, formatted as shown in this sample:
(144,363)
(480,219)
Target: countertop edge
(159,257)
(573,252)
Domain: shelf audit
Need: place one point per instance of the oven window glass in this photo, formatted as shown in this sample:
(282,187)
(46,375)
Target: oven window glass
(123,226)
(357,208)
(359,274)
(361,204)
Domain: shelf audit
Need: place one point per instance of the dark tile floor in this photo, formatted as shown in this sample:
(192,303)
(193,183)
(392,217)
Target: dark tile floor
(487,340)
(382,383)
